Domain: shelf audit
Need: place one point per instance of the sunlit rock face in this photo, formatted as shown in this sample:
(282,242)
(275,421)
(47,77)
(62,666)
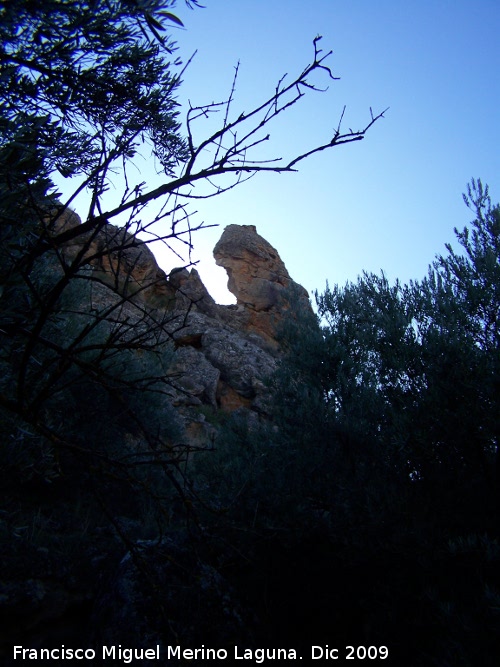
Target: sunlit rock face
(257,275)
(223,354)
(219,356)
(259,280)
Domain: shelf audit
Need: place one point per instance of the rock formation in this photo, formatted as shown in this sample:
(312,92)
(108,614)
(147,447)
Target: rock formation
(221,355)
(240,341)
(259,280)
(225,352)
(159,357)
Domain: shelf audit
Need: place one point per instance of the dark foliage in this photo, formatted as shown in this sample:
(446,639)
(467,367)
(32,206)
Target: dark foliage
(368,506)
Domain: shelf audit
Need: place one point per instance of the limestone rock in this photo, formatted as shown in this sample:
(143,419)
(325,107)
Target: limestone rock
(258,279)
(118,259)
(128,265)
(255,270)
(217,364)
(191,292)
(218,356)
(194,377)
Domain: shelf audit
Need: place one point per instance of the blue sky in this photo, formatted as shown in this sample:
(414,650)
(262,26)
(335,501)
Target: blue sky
(388,202)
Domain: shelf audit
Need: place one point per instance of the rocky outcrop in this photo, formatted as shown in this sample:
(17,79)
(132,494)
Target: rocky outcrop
(234,348)
(218,356)
(129,359)
(259,280)
(118,258)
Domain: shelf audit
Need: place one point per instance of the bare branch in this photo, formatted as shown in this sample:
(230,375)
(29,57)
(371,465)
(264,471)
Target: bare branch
(229,151)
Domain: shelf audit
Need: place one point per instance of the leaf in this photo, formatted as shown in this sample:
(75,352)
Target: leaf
(153,23)
(172,18)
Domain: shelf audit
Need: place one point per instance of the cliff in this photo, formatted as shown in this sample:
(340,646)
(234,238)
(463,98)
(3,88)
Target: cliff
(225,353)
(219,356)
(126,371)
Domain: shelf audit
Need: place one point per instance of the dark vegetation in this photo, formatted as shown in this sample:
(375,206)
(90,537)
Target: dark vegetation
(380,487)
(366,511)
